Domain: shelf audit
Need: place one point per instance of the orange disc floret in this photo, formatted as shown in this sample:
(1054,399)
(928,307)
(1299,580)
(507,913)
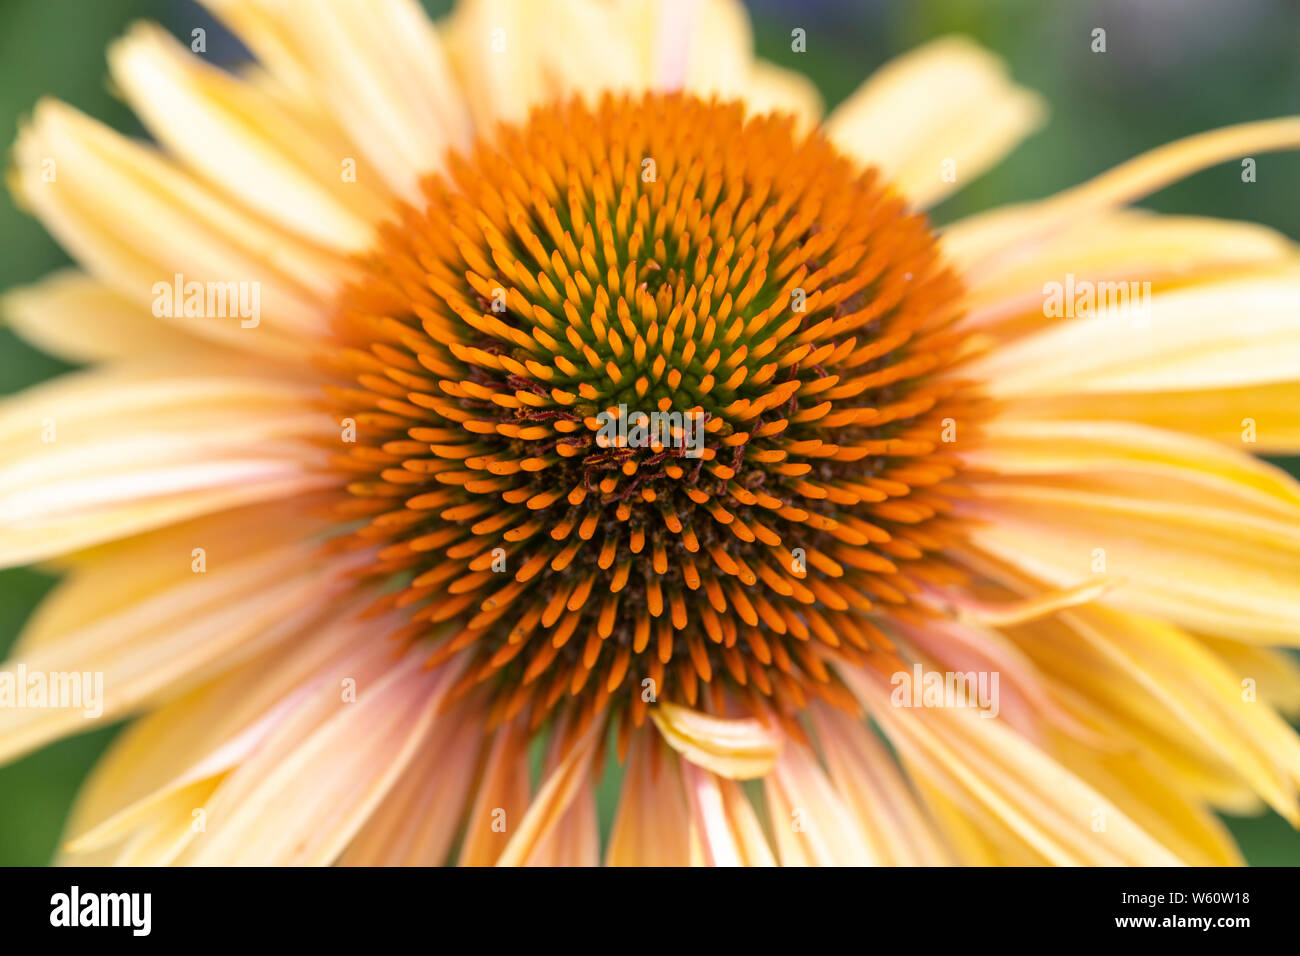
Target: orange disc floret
(652,254)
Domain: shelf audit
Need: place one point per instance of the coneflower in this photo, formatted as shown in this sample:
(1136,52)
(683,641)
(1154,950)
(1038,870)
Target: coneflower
(604,396)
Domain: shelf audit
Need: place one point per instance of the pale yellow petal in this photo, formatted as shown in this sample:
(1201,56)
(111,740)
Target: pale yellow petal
(167,832)
(194,783)
(104,580)
(136,222)
(714,42)
(719,46)
(773,88)
(551,804)
(243,142)
(419,819)
(1119,245)
(574,840)
(949,101)
(185,633)
(652,825)
(894,821)
(976,244)
(725,830)
(379,67)
(738,749)
(502,798)
(967,835)
(80,319)
(494,51)
(306,792)
(985,762)
(811,821)
(115,451)
(512,55)
(1221,335)
(154,751)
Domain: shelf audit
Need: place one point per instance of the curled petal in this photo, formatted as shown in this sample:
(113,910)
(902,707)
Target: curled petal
(736,749)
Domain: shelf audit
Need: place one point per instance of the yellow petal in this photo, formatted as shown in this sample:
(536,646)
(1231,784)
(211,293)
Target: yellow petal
(949,100)
(975,244)
(1121,245)
(1155,801)
(724,828)
(80,319)
(1025,696)
(985,762)
(420,817)
(652,825)
(242,141)
(308,790)
(1263,418)
(111,452)
(1221,335)
(1102,450)
(894,821)
(738,749)
(1273,674)
(502,798)
(378,67)
(968,835)
(1109,694)
(811,821)
(553,801)
(1219,570)
(1205,697)
(136,221)
(1003,613)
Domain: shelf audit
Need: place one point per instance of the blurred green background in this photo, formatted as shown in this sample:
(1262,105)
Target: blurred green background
(1172,67)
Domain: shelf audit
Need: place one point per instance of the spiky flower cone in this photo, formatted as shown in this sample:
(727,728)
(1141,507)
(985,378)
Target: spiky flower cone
(662,254)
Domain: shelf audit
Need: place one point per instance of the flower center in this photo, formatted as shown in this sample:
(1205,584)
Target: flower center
(646,407)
